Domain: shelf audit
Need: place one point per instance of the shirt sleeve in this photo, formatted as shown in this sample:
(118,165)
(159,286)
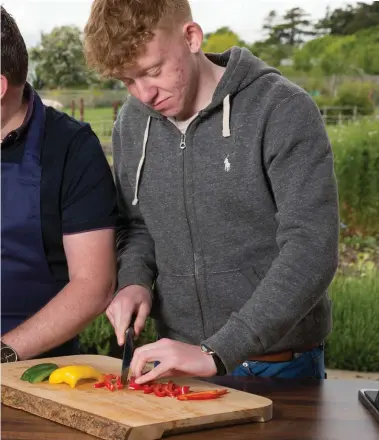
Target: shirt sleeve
(88,191)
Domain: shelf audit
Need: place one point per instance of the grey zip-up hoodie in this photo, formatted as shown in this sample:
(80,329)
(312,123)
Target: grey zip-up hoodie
(235,222)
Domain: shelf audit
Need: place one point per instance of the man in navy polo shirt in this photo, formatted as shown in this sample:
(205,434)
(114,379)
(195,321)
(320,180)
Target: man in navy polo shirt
(58,213)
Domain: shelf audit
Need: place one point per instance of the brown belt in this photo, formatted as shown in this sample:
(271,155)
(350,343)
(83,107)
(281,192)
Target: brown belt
(282,356)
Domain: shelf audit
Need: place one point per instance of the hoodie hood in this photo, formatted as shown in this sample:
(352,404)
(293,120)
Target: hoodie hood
(242,69)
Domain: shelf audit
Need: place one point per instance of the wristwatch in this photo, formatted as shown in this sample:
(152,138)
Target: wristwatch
(221,370)
(8,354)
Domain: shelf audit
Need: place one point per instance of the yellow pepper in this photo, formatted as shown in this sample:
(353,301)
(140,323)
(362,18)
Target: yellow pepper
(72,373)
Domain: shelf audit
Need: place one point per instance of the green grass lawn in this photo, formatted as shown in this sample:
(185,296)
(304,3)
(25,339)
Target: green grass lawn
(353,343)
(100,119)
(92,114)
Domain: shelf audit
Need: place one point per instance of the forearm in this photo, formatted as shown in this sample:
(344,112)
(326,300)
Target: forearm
(78,303)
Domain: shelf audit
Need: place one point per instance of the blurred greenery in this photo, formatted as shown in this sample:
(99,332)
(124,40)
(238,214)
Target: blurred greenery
(356,155)
(353,343)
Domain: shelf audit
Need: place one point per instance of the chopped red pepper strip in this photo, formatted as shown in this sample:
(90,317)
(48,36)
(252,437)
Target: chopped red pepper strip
(170,386)
(148,389)
(174,393)
(198,397)
(135,386)
(110,386)
(184,389)
(159,390)
(120,386)
(203,395)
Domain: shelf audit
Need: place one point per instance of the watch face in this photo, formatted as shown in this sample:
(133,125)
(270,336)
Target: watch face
(8,355)
(206,350)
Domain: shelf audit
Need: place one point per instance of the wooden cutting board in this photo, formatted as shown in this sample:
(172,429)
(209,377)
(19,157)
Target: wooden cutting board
(125,414)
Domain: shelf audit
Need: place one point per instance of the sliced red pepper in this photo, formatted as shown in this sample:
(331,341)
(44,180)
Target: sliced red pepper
(198,397)
(148,389)
(185,389)
(174,393)
(159,390)
(119,385)
(99,384)
(203,395)
(113,382)
(110,386)
(170,386)
(135,386)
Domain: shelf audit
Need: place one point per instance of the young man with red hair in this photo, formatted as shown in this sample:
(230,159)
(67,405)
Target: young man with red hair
(228,234)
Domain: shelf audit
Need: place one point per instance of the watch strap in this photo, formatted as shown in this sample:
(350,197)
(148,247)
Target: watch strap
(221,370)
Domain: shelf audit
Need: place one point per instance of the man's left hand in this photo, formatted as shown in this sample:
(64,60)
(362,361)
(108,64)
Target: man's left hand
(175,359)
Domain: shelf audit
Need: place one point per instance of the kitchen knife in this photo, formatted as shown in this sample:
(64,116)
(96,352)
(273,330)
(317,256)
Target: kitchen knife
(128,354)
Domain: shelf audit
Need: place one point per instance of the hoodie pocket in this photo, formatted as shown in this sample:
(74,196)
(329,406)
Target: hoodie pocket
(229,291)
(176,306)
(252,276)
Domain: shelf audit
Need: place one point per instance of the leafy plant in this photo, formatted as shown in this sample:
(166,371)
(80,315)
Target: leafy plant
(353,343)
(96,337)
(356,153)
(356,94)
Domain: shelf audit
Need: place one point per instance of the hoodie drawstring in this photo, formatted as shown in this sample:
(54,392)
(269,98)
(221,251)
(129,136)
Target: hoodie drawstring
(142,160)
(226,117)
(225,133)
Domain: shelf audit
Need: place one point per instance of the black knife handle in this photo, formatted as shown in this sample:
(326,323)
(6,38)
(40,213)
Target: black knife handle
(132,320)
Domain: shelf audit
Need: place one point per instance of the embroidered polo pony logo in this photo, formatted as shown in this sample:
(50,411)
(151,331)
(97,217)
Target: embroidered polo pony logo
(227,164)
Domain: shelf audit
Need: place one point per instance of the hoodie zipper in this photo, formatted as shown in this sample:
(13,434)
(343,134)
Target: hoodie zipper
(183,141)
(183,146)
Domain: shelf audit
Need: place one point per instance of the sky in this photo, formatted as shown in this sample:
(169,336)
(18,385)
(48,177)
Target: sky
(245,17)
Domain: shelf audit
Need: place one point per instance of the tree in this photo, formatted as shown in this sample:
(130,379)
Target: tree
(221,40)
(283,35)
(292,30)
(59,59)
(335,54)
(272,54)
(349,20)
(269,24)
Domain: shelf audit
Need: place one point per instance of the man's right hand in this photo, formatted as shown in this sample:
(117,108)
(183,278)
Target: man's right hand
(131,300)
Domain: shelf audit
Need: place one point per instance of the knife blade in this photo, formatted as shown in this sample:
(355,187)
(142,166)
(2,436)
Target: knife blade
(128,355)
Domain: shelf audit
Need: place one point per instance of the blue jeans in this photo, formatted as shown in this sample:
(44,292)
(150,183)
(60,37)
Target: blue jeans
(309,364)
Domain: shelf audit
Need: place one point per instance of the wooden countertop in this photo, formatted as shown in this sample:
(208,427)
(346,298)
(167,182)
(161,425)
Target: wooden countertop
(303,410)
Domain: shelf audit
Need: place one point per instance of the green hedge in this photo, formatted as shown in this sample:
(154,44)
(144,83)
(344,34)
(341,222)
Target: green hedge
(353,343)
(99,337)
(356,154)
(356,94)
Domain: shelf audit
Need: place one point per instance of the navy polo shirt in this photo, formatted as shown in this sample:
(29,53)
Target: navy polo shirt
(77,188)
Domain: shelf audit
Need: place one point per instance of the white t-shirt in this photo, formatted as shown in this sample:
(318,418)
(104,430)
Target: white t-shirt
(182,125)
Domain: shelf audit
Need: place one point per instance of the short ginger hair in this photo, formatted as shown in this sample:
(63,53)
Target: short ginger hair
(117,31)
